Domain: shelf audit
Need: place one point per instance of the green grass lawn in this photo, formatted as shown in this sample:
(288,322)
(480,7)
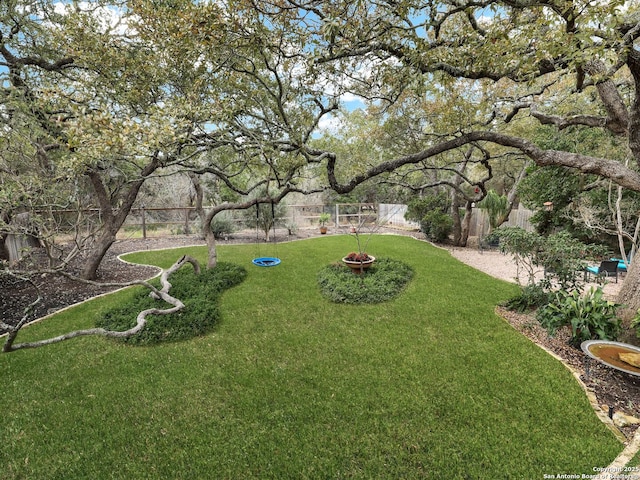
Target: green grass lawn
(430,385)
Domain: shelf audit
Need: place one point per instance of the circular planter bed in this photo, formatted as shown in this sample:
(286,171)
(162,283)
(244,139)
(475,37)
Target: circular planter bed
(382,281)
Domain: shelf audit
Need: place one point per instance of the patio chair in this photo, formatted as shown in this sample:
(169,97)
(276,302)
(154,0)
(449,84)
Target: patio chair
(622,266)
(607,268)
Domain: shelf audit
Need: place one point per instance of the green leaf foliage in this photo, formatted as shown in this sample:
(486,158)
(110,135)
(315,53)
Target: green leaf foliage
(419,207)
(589,315)
(496,206)
(222,226)
(561,256)
(436,226)
(381,282)
(431,212)
(530,297)
(200,295)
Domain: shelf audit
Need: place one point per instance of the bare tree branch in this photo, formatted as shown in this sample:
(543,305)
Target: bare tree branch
(141,319)
(612,169)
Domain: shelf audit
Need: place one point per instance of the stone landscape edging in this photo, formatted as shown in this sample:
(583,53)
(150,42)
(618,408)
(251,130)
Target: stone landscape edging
(631,446)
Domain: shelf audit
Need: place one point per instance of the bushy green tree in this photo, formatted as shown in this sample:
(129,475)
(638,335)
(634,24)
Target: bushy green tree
(559,256)
(431,212)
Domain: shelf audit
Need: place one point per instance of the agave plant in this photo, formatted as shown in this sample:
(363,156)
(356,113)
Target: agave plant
(497,208)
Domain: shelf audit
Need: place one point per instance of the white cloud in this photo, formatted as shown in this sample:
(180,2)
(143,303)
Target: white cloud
(329,124)
(110,18)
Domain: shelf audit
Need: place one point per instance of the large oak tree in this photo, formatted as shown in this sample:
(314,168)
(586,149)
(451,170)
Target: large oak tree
(101,96)
(86,112)
(254,79)
(562,63)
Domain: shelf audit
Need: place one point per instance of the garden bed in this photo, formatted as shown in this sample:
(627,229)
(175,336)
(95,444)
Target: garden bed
(612,388)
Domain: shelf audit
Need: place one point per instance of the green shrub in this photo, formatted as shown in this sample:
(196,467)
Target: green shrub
(384,280)
(222,227)
(561,256)
(431,211)
(590,315)
(419,207)
(436,226)
(531,296)
(199,293)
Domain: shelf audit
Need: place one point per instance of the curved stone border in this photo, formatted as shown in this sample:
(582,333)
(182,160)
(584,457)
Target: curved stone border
(45,317)
(631,448)
(622,459)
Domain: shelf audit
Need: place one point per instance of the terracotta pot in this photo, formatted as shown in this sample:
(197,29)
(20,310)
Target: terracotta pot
(323,230)
(359,267)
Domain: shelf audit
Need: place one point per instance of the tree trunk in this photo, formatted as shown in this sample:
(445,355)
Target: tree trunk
(459,236)
(466,224)
(212,253)
(629,294)
(512,195)
(457,222)
(212,256)
(112,221)
(99,250)
(197,186)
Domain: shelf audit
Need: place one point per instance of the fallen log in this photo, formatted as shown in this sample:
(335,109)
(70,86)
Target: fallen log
(141,319)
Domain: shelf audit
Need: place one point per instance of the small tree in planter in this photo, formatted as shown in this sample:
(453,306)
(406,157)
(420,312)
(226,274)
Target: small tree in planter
(360,260)
(324,218)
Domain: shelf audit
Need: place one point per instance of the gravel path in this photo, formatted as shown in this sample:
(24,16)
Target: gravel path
(503,266)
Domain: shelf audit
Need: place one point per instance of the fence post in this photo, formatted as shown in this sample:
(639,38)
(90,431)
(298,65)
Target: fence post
(186,222)
(144,224)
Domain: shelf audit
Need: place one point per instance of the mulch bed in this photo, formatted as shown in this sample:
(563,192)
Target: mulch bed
(613,389)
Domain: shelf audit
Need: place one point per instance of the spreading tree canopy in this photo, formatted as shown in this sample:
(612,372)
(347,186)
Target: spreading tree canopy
(558,63)
(238,89)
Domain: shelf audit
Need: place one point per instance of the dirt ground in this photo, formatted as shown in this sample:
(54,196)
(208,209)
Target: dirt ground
(613,389)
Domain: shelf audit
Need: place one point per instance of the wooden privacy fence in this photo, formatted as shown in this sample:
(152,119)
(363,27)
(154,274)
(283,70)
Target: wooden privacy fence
(520,217)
